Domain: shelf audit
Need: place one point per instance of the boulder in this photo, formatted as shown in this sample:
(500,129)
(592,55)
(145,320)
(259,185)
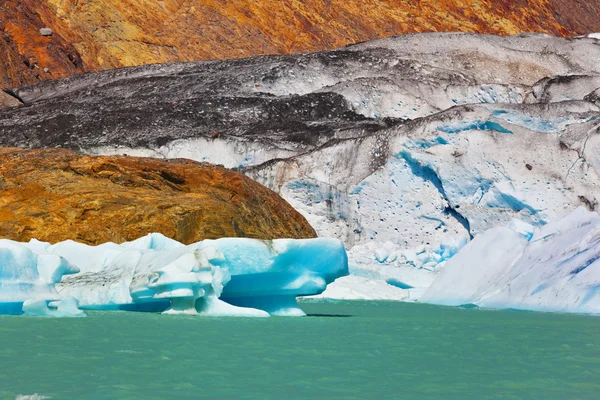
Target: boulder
(57,194)
(7,101)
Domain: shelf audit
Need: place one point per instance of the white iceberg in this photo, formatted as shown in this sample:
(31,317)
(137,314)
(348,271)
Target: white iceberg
(557,270)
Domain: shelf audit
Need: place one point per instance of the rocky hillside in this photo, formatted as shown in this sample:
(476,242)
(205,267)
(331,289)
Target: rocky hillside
(45,39)
(55,195)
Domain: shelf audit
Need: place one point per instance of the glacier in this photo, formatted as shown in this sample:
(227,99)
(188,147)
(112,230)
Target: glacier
(223,277)
(554,268)
(393,146)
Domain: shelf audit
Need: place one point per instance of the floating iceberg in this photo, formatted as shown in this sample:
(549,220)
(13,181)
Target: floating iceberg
(27,272)
(241,277)
(68,307)
(557,269)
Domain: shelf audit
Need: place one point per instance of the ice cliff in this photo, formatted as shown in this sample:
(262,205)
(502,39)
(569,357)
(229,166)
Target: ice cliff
(223,277)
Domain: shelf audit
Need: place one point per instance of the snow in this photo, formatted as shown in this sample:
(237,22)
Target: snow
(223,277)
(557,270)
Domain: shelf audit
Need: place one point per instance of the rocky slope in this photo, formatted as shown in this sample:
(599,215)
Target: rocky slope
(396,146)
(99,35)
(55,195)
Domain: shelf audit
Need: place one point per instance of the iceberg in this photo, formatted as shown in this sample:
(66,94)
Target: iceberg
(555,268)
(268,275)
(68,307)
(27,272)
(468,275)
(223,277)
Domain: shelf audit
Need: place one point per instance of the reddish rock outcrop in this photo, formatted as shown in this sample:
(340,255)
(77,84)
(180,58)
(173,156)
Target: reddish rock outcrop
(104,34)
(27,56)
(57,194)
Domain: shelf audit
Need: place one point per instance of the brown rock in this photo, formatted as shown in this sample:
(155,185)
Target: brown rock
(104,34)
(57,194)
(7,101)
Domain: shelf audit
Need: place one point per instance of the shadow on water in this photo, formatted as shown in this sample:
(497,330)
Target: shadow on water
(329,315)
(469,306)
(517,310)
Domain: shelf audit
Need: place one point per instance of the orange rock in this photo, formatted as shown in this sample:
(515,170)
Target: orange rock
(27,56)
(104,34)
(54,195)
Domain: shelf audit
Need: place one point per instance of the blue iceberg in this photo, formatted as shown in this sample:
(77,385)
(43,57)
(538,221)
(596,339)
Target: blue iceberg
(223,277)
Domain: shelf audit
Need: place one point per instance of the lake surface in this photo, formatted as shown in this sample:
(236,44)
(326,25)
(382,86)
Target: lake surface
(345,350)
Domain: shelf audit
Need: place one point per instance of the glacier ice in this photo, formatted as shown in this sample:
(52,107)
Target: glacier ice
(481,263)
(521,227)
(556,269)
(67,307)
(428,137)
(223,277)
(389,264)
(355,287)
(417,185)
(26,272)
(268,275)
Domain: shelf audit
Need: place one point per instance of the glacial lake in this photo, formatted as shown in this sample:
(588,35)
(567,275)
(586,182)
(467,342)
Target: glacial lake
(343,350)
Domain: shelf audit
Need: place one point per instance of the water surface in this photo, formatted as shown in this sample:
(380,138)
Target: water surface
(345,350)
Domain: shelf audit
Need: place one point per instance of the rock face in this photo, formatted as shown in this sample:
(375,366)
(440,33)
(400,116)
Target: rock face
(105,34)
(55,195)
(27,55)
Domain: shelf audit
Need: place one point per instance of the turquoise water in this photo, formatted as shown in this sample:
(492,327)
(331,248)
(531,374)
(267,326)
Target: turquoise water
(346,350)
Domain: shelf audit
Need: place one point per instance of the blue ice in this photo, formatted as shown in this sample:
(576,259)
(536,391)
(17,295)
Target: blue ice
(474,125)
(230,276)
